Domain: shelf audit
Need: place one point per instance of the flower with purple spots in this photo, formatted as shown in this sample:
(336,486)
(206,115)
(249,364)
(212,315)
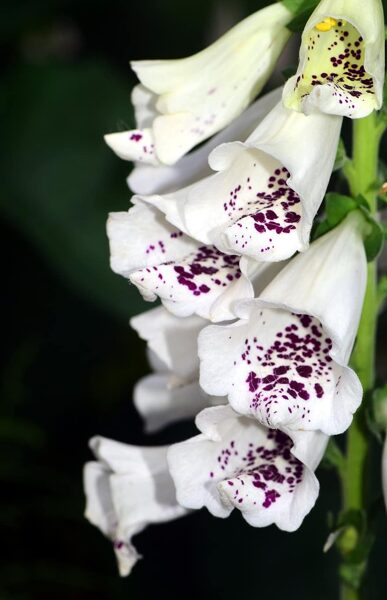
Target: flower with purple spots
(262,201)
(285,361)
(238,463)
(160,179)
(341,67)
(189,277)
(127,489)
(182,102)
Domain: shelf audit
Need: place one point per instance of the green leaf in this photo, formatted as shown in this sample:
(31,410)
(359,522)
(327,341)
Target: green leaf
(352,574)
(337,207)
(333,457)
(382,287)
(299,6)
(288,72)
(379,407)
(374,241)
(341,156)
(302,9)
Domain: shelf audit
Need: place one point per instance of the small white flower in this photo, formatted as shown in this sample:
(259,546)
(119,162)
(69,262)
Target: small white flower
(341,68)
(238,463)
(267,191)
(172,393)
(182,102)
(153,179)
(128,489)
(189,277)
(285,361)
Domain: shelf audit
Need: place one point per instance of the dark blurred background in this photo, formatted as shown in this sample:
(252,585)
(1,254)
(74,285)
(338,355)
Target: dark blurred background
(70,359)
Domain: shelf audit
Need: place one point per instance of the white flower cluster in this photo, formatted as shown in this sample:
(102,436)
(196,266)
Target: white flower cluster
(257,325)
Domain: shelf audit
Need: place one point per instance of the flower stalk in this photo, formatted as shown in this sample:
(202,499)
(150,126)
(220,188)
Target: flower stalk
(361,173)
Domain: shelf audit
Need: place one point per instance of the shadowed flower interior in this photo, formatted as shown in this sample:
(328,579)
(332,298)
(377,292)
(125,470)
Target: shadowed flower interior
(335,54)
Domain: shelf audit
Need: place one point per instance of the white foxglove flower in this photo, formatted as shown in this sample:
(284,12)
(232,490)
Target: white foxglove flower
(173,342)
(189,277)
(151,179)
(285,361)
(172,393)
(341,68)
(238,463)
(267,191)
(182,102)
(127,489)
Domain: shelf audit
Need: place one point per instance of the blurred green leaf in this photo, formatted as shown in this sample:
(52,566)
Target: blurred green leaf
(337,207)
(59,180)
(341,156)
(299,6)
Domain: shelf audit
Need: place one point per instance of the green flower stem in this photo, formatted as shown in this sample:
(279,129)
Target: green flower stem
(361,173)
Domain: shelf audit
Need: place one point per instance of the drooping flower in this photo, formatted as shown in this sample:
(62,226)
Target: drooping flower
(159,179)
(285,361)
(172,393)
(267,191)
(182,102)
(189,277)
(127,489)
(238,463)
(341,66)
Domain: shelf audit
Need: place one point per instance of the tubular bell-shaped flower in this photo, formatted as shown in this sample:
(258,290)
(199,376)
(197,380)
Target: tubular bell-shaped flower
(127,489)
(263,199)
(285,361)
(238,463)
(189,277)
(182,102)
(172,392)
(153,179)
(341,68)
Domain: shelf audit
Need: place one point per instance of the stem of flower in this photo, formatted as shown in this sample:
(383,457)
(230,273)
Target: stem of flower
(361,173)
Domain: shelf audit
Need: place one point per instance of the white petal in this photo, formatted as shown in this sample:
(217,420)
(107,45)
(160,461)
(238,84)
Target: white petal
(161,404)
(101,512)
(148,179)
(201,94)
(144,104)
(142,238)
(99,505)
(285,361)
(137,145)
(141,493)
(341,69)
(173,340)
(330,284)
(237,463)
(205,282)
(264,198)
